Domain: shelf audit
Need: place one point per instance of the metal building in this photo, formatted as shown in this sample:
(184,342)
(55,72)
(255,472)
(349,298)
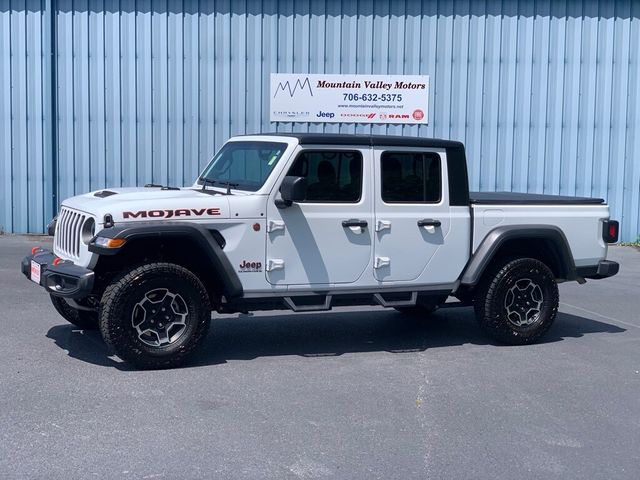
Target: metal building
(545,93)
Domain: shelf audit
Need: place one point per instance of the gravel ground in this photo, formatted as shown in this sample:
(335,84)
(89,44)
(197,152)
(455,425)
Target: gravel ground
(352,393)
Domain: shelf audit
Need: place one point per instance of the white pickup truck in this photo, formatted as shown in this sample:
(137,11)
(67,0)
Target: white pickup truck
(310,221)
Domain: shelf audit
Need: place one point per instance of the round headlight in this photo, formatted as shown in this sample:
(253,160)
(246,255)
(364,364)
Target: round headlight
(88,230)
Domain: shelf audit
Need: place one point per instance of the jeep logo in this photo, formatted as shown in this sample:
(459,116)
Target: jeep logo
(322,114)
(249,266)
(180,212)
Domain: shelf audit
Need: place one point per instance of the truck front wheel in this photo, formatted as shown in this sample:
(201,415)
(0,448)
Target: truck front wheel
(155,315)
(517,302)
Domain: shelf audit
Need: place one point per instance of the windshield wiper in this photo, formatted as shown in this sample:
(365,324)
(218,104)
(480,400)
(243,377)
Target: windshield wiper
(207,181)
(228,185)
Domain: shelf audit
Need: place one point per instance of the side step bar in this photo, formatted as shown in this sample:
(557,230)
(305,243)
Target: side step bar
(308,308)
(379,298)
(411,302)
(323,301)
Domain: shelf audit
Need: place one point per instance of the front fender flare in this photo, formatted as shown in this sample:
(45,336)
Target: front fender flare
(204,238)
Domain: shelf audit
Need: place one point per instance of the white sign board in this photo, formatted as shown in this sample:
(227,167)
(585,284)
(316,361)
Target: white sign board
(349,98)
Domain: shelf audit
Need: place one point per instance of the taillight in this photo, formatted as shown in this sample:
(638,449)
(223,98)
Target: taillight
(610,231)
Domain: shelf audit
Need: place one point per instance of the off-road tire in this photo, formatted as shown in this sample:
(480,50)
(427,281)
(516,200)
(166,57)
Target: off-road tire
(124,297)
(84,319)
(497,290)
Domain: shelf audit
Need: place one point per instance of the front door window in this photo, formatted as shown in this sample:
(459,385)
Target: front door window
(332,176)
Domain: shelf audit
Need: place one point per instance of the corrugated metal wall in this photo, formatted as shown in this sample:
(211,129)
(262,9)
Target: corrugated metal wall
(545,94)
(25,116)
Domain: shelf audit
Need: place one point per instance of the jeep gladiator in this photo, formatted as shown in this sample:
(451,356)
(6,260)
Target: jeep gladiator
(307,222)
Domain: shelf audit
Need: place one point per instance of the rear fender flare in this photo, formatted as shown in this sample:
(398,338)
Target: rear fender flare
(496,238)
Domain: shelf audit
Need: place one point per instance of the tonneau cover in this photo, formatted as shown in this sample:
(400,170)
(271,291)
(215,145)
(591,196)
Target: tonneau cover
(514,198)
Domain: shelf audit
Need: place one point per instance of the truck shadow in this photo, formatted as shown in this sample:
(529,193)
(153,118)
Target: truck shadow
(327,334)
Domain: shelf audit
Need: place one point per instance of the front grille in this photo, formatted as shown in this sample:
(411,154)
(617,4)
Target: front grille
(68,232)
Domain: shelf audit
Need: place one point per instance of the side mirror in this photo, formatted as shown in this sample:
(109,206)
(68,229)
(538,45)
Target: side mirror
(292,189)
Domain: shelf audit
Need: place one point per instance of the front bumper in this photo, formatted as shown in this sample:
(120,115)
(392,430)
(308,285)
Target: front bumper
(604,269)
(64,279)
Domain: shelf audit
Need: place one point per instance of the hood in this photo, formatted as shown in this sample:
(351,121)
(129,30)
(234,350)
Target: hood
(145,203)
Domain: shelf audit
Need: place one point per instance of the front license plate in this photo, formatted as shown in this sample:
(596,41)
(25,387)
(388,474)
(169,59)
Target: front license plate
(35,272)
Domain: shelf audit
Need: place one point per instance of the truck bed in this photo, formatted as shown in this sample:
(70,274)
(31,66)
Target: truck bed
(513,198)
(580,219)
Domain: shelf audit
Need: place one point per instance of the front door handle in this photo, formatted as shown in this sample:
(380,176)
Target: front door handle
(354,222)
(429,222)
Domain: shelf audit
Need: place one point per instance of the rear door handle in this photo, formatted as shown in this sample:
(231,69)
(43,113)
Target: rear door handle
(429,222)
(354,222)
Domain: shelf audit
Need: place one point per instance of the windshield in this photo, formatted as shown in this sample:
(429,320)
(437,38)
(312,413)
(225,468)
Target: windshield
(244,165)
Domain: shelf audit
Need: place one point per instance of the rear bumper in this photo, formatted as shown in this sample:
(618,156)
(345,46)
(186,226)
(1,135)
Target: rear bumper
(604,269)
(63,280)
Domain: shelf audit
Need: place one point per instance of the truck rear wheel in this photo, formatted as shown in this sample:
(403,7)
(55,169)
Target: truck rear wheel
(517,302)
(84,319)
(155,315)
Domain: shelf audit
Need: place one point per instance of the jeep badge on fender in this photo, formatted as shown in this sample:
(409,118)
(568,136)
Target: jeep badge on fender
(247,266)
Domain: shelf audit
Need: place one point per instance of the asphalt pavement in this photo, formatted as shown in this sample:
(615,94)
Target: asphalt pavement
(357,393)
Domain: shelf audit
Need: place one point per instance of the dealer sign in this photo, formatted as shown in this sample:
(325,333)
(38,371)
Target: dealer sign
(349,98)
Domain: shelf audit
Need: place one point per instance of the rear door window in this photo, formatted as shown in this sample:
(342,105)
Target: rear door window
(411,177)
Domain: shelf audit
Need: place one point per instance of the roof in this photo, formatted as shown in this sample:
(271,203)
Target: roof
(370,140)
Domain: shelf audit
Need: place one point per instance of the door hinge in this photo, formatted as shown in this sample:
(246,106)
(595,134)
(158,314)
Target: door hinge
(381,262)
(275,264)
(382,225)
(275,225)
